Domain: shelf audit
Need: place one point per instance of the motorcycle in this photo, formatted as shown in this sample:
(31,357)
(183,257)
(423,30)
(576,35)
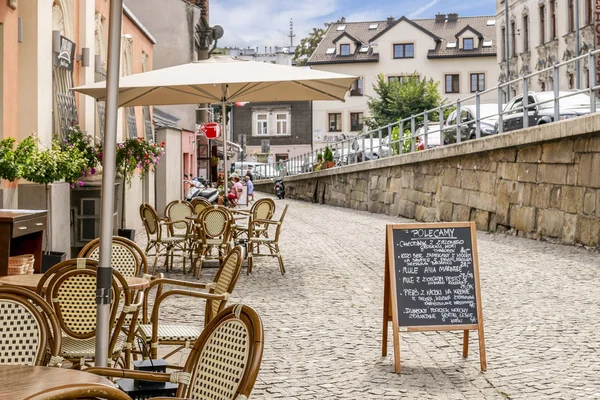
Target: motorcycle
(198,188)
(279,188)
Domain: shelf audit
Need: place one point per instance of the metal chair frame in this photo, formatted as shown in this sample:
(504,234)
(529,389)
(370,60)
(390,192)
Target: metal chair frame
(212,230)
(272,244)
(223,364)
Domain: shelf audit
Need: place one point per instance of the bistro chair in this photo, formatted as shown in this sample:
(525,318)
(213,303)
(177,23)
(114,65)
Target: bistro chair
(216,298)
(29,329)
(212,231)
(199,204)
(126,256)
(129,259)
(72,293)
(255,240)
(261,209)
(222,365)
(159,239)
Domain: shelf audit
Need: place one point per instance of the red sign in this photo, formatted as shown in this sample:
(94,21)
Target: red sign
(211,130)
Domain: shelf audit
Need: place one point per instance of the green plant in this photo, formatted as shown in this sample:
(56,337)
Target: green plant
(79,140)
(136,155)
(328,154)
(45,166)
(405,143)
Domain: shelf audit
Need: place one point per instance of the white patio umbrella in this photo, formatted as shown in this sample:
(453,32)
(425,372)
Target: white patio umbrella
(216,80)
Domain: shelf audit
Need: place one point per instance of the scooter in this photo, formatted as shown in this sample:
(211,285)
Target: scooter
(198,189)
(279,188)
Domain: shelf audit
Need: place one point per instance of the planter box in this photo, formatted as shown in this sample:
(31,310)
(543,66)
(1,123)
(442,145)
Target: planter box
(127,233)
(52,258)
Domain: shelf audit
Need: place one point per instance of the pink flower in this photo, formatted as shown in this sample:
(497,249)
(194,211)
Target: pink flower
(80,183)
(72,186)
(93,171)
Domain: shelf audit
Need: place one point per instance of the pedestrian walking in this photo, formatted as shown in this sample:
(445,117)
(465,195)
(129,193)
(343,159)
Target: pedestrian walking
(250,187)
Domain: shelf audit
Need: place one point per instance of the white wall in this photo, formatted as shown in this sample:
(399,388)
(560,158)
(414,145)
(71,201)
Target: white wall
(387,65)
(169,178)
(35,70)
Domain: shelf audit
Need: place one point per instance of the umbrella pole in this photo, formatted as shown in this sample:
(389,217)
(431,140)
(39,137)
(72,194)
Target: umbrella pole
(104,281)
(224,131)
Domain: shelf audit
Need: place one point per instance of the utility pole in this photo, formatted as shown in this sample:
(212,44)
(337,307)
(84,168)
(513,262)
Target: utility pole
(507,48)
(291,34)
(577,65)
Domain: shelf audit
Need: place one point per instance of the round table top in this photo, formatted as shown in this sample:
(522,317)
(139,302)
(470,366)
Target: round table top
(21,381)
(31,281)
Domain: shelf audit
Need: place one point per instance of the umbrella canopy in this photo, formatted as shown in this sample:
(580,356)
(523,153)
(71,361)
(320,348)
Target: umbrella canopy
(202,82)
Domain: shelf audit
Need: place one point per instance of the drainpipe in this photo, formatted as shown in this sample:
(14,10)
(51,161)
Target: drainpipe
(507,48)
(577,65)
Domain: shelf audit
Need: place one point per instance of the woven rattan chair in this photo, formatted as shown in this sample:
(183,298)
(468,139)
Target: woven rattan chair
(159,239)
(126,256)
(212,231)
(216,298)
(129,259)
(87,391)
(199,204)
(223,364)
(261,209)
(256,240)
(72,293)
(29,329)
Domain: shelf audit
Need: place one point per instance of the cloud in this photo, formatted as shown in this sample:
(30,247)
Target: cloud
(266,22)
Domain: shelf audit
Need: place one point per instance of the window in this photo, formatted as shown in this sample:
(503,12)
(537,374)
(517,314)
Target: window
(468,44)
(542,24)
(401,78)
(335,122)
(525,34)
(503,39)
(330,50)
(357,88)
(404,50)
(356,122)
(571,22)
(282,123)
(477,83)
(344,49)
(262,124)
(452,83)
(373,26)
(513,40)
(553,19)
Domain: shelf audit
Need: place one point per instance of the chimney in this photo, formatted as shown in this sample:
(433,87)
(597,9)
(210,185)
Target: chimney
(256,49)
(452,17)
(265,49)
(390,21)
(270,50)
(440,18)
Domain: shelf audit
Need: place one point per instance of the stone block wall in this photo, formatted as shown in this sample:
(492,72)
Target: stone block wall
(539,183)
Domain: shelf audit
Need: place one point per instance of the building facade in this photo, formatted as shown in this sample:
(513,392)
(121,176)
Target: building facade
(273,131)
(458,52)
(541,33)
(47,48)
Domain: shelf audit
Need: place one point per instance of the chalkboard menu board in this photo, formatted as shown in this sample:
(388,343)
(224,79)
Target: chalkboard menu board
(435,282)
(432,282)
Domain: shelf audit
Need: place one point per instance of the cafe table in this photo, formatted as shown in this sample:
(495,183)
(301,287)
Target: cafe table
(31,281)
(18,382)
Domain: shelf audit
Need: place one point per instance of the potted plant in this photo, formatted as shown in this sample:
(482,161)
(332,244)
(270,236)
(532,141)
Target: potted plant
(319,165)
(76,138)
(45,166)
(328,157)
(11,160)
(135,155)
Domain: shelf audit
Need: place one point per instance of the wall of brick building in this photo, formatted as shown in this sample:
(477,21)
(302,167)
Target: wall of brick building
(540,183)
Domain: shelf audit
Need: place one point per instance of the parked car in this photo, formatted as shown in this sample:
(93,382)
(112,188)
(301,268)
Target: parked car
(433,135)
(569,107)
(264,171)
(488,114)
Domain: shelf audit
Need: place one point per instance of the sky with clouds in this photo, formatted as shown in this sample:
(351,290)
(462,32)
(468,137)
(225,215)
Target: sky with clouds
(260,23)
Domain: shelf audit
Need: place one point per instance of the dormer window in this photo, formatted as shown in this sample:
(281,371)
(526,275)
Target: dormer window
(468,44)
(344,49)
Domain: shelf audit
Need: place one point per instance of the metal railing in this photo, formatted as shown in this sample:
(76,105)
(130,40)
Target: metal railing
(416,132)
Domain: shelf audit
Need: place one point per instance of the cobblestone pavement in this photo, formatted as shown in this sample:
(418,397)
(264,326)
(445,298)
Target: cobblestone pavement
(323,319)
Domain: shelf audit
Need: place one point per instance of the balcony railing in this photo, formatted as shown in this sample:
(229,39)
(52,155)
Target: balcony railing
(426,130)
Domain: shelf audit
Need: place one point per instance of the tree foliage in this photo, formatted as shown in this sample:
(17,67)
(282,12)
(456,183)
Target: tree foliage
(309,44)
(401,99)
